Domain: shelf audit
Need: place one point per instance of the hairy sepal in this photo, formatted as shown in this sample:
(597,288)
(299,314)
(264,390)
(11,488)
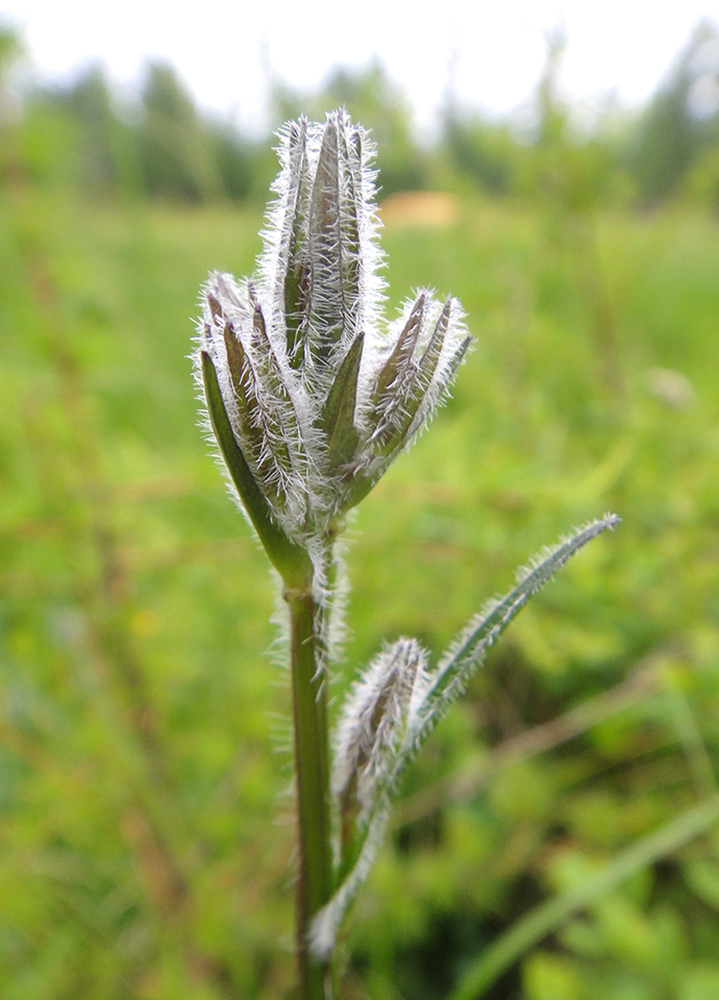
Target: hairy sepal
(373,723)
(400,389)
(288,558)
(262,399)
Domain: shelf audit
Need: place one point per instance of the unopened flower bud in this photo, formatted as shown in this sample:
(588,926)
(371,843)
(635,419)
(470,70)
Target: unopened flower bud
(373,723)
(319,396)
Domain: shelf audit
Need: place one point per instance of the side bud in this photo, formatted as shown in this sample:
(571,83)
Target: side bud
(373,724)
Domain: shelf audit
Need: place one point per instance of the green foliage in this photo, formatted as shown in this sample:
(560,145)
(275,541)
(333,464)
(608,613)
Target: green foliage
(139,788)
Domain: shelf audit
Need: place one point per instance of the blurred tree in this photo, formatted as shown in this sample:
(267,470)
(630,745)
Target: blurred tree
(573,171)
(483,151)
(701,184)
(175,148)
(78,136)
(682,120)
(570,176)
(236,160)
(72,135)
(547,158)
(88,102)
(107,148)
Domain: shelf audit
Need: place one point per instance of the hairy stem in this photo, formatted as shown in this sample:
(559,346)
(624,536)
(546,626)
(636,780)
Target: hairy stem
(309,706)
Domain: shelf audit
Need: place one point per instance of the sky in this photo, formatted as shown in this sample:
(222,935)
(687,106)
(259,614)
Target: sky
(489,53)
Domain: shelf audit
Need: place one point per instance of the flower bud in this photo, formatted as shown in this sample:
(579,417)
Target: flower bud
(373,723)
(319,394)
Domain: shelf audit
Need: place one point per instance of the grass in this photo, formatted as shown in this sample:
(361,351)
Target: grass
(140,711)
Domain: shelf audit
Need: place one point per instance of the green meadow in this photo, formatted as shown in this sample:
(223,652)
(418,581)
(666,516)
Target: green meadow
(559,837)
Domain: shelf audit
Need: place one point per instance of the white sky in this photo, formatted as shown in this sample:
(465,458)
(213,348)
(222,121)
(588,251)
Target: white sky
(493,50)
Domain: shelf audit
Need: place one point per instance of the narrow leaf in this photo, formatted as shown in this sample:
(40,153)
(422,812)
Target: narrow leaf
(470,647)
(288,558)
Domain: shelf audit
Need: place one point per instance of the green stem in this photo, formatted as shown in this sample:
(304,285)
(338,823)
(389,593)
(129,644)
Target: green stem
(309,705)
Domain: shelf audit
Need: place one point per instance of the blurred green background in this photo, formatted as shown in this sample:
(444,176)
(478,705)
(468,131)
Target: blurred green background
(146,837)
